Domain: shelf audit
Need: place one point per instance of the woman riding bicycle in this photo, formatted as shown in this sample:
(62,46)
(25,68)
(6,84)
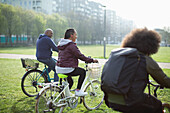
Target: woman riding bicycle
(147,43)
(68,60)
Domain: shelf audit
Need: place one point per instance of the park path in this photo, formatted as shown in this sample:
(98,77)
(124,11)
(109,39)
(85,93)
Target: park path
(101,61)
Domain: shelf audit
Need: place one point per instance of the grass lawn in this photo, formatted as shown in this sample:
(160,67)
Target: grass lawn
(12,99)
(95,51)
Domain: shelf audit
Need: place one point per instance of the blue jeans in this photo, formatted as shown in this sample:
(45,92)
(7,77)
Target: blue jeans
(51,63)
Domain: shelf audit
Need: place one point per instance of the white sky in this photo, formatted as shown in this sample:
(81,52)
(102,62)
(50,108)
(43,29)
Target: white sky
(145,13)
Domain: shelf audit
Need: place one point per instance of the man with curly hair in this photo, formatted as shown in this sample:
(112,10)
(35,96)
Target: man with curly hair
(147,43)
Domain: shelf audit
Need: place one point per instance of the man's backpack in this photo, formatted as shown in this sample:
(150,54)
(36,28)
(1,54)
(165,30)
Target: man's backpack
(119,71)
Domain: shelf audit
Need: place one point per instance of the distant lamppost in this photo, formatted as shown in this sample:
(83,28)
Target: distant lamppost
(104,42)
(104,39)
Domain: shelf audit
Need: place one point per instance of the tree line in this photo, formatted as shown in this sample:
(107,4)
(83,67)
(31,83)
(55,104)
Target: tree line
(17,21)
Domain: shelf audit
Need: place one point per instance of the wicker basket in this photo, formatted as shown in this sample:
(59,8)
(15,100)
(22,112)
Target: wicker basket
(29,63)
(95,70)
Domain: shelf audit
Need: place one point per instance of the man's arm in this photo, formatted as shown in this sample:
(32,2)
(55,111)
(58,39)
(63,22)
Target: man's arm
(53,45)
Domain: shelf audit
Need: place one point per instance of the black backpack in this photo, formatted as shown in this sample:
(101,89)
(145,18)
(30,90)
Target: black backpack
(119,71)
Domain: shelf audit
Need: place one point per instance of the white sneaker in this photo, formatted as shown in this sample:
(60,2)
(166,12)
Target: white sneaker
(80,93)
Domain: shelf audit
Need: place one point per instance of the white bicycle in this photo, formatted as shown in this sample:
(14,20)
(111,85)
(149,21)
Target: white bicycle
(54,97)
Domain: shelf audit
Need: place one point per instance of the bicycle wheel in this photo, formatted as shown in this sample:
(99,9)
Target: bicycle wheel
(45,101)
(95,96)
(30,80)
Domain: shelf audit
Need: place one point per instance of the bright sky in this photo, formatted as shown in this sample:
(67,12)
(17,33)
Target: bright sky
(145,13)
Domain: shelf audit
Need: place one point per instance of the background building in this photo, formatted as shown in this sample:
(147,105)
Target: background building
(44,6)
(111,26)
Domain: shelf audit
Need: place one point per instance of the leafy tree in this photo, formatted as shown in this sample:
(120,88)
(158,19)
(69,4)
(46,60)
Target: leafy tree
(58,24)
(3,23)
(18,24)
(8,13)
(37,27)
(167,32)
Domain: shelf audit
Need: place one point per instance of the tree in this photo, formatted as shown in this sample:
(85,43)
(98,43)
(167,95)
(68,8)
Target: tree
(18,24)
(167,31)
(38,26)
(8,13)
(58,24)
(2,21)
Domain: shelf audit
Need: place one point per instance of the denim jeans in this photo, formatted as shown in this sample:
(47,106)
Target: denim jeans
(51,63)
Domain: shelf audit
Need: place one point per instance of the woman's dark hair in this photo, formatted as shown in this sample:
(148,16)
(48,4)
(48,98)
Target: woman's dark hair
(68,33)
(144,40)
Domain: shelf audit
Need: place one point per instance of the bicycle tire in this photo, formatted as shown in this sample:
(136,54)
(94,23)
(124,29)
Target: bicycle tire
(44,100)
(29,84)
(94,99)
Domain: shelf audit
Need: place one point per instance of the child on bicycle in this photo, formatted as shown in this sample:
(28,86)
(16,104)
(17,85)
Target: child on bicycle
(68,60)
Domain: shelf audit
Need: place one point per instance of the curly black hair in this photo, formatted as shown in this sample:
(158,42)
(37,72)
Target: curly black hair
(144,40)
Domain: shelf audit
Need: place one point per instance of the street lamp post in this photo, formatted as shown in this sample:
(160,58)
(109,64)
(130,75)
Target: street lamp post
(104,39)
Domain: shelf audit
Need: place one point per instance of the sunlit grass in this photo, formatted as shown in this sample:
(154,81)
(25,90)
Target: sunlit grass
(12,99)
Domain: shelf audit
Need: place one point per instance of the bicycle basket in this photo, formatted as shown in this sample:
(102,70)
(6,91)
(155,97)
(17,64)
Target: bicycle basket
(29,63)
(95,70)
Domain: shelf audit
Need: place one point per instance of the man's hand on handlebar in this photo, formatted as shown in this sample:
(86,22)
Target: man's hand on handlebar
(95,61)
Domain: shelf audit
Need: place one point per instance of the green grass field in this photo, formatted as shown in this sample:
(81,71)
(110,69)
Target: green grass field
(95,51)
(12,99)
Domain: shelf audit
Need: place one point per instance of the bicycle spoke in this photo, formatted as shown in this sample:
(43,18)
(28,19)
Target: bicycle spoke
(95,96)
(46,103)
(30,77)
(29,84)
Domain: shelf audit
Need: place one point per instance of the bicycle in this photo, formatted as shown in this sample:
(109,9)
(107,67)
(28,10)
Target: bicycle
(160,95)
(54,98)
(32,81)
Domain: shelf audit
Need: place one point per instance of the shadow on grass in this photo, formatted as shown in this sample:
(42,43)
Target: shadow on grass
(24,105)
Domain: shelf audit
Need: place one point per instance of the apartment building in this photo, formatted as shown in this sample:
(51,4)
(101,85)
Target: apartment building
(44,6)
(83,7)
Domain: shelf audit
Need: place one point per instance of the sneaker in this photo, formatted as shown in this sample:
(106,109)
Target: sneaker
(80,93)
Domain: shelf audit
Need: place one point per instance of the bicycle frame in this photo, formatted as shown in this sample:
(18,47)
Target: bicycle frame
(56,97)
(86,79)
(45,70)
(66,90)
(157,86)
